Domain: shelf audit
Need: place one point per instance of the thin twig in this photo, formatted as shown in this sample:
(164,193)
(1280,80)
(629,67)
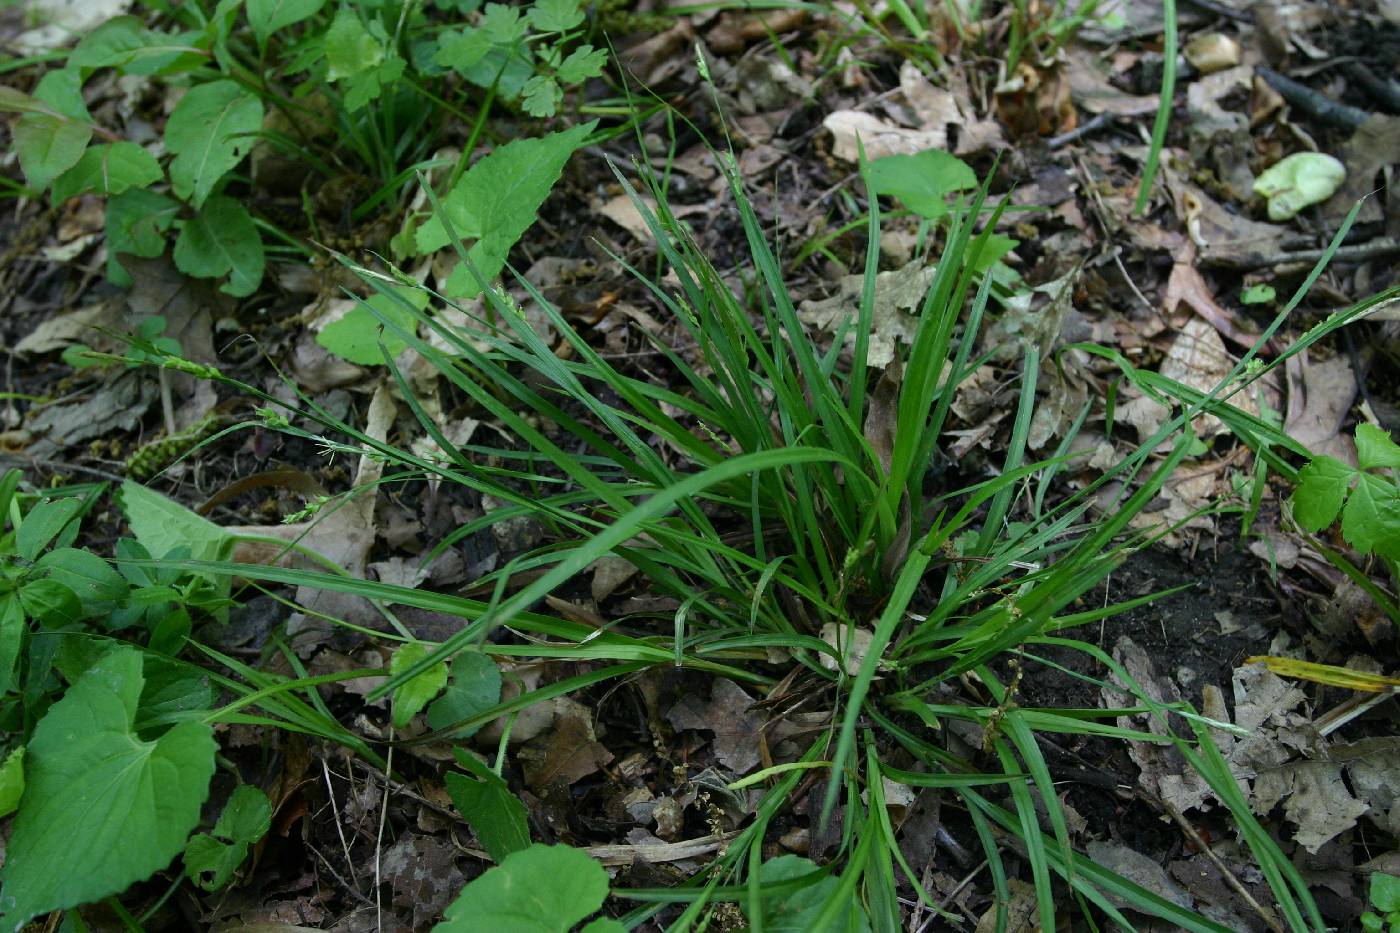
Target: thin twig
(1303,258)
(1235,884)
(339,826)
(943,904)
(345,885)
(379,836)
(1221,9)
(1091,125)
(59,466)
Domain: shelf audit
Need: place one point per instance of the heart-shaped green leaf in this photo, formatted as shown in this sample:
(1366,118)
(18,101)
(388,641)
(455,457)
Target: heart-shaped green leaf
(93,787)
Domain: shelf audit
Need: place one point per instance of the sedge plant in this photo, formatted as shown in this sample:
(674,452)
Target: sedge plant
(784,497)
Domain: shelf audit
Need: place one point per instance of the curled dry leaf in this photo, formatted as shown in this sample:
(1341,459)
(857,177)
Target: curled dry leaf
(343,532)
(1091,89)
(1196,358)
(1370,150)
(1212,52)
(880,137)
(1162,771)
(1021,910)
(897,294)
(422,873)
(856,648)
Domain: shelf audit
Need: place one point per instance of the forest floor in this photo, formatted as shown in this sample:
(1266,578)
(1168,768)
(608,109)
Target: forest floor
(637,771)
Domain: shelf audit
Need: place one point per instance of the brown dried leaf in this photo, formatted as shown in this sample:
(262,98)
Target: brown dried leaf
(343,533)
(1021,910)
(1320,393)
(727,715)
(1375,145)
(880,137)
(1090,89)
(423,875)
(897,294)
(569,752)
(1138,868)
(186,304)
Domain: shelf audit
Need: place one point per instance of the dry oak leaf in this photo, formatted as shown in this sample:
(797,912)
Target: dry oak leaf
(568,752)
(727,715)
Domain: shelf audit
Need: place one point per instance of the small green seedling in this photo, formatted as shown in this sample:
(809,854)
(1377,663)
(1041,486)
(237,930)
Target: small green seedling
(1385,898)
(212,858)
(1371,516)
(1260,293)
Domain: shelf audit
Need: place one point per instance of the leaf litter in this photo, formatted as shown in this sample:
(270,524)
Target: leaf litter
(1204,237)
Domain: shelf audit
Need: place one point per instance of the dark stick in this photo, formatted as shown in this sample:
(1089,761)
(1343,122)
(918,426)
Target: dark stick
(1383,91)
(1318,106)
(1084,129)
(1221,9)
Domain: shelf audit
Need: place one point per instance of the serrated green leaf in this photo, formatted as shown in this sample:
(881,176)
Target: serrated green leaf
(416,692)
(94,788)
(136,224)
(542,889)
(496,200)
(113,43)
(365,87)
(1375,449)
(210,862)
(268,16)
(504,67)
(357,335)
(923,180)
(15,101)
(50,602)
(210,131)
(582,63)
(495,814)
(462,49)
(503,24)
(62,91)
(11,781)
(49,145)
(110,169)
(1371,519)
(1258,293)
(1322,488)
(222,240)
(541,96)
(172,693)
(475,687)
(555,15)
(351,49)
